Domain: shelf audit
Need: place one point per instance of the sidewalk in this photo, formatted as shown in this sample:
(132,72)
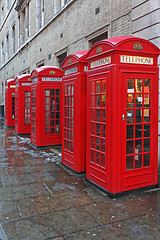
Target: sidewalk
(40,200)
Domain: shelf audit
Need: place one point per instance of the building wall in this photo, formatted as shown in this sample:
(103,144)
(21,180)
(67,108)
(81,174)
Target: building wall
(55,28)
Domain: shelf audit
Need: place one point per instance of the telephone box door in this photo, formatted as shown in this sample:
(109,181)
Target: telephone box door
(139,131)
(97,165)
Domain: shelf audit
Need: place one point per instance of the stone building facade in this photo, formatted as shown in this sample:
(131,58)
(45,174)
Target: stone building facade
(34,33)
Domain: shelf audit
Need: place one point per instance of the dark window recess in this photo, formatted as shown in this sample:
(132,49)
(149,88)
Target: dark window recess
(98,38)
(61,59)
(40,49)
(61,35)
(49,56)
(97,10)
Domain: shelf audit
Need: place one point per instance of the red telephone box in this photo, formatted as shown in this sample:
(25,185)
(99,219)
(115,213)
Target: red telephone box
(23,104)
(122,114)
(46,106)
(10,103)
(74,110)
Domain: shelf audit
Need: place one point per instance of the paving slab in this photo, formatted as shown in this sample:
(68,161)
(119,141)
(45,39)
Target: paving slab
(9,211)
(45,226)
(22,192)
(26,179)
(54,202)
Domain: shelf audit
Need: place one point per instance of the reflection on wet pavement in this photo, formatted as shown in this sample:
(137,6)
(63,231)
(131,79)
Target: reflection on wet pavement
(40,200)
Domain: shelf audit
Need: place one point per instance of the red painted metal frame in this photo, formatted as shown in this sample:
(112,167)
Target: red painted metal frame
(10,103)
(74,111)
(114,177)
(23,104)
(40,85)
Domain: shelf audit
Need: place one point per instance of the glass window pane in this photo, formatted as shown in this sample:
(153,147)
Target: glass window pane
(102,160)
(146,160)
(47,107)
(146,145)
(97,157)
(47,92)
(138,146)
(138,131)
(130,116)
(129,162)
(130,101)
(57,92)
(72,101)
(65,90)
(98,143)
(98,101)
(103,115)
(138,161)
(52,92)
(52,115)
(71,123)
(130,131)
(147,85)
(130,85)
(97,129)
(138,85)
(57,107)
(57,99)
(147,114)
(146,130)
(68,122)
(103,130)
(138,115)
(71,146)
(65,101)
(72,89)
(103,145)
(98,115)
(47,100)
(139,100)
(97,86)
(69,92)
(147,100)
(69,102)
(103,86)
(103,100)
(129,147)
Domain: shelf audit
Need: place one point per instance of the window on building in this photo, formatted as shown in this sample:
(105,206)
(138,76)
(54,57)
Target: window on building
(13,39)
(98,38)
(7,4)
(7,46)
(61,58)
(2,53)
(40,4)
(40,64)
(2,92)
(27,22)
(2,14)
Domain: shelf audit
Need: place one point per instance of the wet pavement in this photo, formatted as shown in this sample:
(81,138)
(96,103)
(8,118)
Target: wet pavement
(40,200)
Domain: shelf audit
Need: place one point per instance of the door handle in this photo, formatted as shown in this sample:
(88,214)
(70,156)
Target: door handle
(123,117)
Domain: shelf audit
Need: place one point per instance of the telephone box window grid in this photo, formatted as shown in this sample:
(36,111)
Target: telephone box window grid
(138,123)
(69,117)
(98,121)
(27,107)
(52,111)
